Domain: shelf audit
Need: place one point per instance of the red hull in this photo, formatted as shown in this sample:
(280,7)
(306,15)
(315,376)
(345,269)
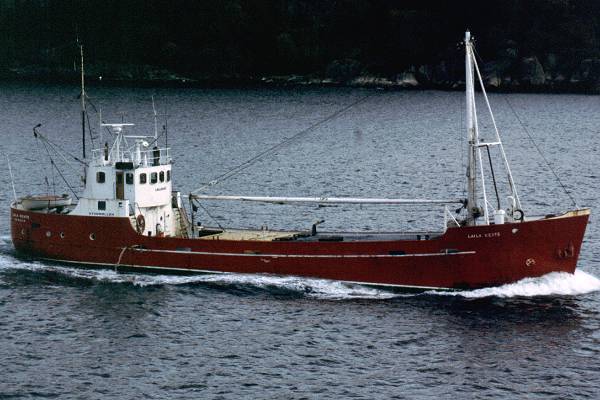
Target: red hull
(467,257)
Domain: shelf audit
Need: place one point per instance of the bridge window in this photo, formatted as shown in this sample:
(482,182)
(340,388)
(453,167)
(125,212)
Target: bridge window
(161,176)
(153,177)
(169,176)
(100,177)
(101,205)
(143,178)
(129,178)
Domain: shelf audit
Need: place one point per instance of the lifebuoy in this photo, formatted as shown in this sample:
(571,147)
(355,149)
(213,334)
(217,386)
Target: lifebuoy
(518,215)
(140,223)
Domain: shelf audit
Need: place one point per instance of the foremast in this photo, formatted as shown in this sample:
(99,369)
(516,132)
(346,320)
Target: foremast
(475,145)
(472,134)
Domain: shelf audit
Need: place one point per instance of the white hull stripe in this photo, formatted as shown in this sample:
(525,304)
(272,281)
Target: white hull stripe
(208,271)
(205,253)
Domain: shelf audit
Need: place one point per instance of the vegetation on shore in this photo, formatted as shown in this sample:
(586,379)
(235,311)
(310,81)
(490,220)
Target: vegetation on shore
(545,45)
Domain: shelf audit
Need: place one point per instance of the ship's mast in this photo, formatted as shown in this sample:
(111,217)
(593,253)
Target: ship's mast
(82,102)
(472,208)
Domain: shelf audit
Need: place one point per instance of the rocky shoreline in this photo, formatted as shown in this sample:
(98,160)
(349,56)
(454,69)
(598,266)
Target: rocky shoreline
(509,74)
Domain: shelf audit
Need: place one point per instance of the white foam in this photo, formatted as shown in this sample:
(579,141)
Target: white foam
(315,288)
(555,283)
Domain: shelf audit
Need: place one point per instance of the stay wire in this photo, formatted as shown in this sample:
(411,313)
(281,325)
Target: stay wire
(56,147)
(59,173)
(64,179)
(209,214)
(540,153)
(52,170)
(57,150)
(39,156)
(246,164)
(90,102)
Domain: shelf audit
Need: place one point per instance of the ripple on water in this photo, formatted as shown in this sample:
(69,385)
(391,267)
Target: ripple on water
(78,333)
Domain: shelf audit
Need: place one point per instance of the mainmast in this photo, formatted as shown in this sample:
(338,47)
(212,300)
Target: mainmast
(472,131)
(82,102)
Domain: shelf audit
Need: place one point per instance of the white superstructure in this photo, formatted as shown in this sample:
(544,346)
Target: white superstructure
(132,178)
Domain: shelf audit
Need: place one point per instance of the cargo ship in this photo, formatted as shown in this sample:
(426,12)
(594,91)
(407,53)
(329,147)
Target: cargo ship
(128,217)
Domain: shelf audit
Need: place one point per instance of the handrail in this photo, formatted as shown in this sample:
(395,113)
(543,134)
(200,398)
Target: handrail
(144,157)
(338,200)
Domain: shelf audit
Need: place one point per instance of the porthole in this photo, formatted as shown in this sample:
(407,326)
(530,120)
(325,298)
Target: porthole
(62,235)
(48,233)
(92,236)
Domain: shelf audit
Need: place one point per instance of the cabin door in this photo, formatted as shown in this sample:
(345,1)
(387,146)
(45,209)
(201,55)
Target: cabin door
(120,186)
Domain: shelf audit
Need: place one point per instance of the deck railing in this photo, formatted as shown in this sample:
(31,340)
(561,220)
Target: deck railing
(142,157)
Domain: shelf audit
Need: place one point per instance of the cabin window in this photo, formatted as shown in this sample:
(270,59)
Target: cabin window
(143,178)
(161,176)
(129,178)
(169,176)
(100,177)
(153,177)
(102,205)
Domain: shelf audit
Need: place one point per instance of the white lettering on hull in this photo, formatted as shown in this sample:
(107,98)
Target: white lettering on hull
(483,235)
(20,217)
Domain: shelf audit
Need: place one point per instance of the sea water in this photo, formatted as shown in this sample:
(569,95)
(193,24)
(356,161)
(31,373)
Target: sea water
(74,333)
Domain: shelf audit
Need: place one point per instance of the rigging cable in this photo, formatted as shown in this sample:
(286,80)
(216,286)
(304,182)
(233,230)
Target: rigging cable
(87,117)
(207,213)
(511,182)
(90,102)
(59,173)
(47,146)
(52,170)
(540,152)
(57,149)
(39,156)
(236,170)
(462,148)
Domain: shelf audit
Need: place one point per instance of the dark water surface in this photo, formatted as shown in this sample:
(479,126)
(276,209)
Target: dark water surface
(73,333)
